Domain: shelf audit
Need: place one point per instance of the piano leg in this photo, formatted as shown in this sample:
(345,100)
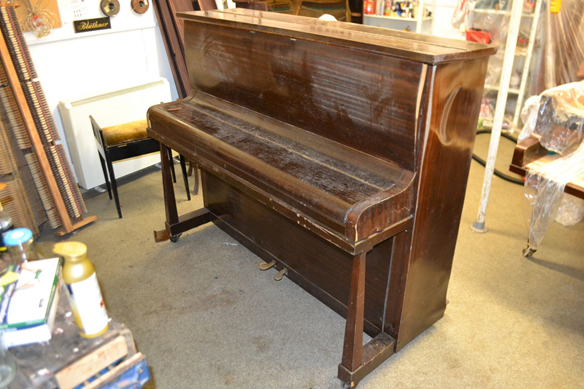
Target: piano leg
(175,224)
(167,186)
(359,360)
(353,346)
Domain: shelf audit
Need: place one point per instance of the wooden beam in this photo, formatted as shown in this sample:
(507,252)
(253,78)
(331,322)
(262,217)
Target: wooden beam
(86,367)
(168,188)
(379,349)
(189,221)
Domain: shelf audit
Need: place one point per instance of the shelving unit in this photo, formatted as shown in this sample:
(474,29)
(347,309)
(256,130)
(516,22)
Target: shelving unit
(517,93)
(421,24)
(61,199)
(494,11)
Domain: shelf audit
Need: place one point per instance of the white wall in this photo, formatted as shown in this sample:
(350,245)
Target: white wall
(442,25)
(71,65)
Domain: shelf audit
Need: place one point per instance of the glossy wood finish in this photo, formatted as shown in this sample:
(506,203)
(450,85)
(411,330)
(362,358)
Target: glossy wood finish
(399,44)
(454,94)
(525,153)
(375,352)
(172,31)
(353,345)
(321,268)
(167,186)
(341,153)
(292,81)
(252,4)
(531,151)
(327,181)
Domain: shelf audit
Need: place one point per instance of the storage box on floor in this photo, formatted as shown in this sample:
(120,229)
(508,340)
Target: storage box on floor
(70,361)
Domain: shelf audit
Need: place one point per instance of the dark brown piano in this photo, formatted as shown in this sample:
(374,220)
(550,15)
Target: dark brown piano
(338,153)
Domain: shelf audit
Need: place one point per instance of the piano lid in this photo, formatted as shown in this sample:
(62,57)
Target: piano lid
(402,44)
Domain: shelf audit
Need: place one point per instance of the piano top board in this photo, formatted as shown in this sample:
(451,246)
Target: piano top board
(402,44)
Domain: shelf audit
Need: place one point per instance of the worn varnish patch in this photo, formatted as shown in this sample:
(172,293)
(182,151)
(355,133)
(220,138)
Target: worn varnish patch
(341,178)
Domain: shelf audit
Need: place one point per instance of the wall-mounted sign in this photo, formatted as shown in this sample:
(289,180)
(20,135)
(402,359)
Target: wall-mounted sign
(92,24)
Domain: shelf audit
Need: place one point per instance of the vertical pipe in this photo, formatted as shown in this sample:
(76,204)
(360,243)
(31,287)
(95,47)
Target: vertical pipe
(479,224)
(420,16)
(527,65)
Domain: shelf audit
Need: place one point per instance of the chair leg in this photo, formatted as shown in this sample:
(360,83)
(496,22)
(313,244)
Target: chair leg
(171,165)
(110,169)
(191,168)
(104,170)
(183,166)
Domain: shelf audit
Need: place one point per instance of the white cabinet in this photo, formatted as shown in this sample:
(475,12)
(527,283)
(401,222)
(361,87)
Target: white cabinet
(108,108)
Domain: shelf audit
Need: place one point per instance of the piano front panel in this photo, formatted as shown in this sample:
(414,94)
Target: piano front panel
(320,268)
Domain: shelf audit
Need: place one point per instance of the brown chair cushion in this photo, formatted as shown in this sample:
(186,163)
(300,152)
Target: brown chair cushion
(125,133)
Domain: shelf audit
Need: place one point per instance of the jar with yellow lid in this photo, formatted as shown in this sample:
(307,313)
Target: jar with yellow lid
(84,292)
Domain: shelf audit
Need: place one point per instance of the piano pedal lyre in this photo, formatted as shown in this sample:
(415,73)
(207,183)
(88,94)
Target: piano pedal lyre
(265,266)
(280,275)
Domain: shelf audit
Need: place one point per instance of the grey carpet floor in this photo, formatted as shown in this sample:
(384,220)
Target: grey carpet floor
(207,318)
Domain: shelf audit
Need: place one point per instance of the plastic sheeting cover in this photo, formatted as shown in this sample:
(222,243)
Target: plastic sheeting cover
(564,44)
(557,117)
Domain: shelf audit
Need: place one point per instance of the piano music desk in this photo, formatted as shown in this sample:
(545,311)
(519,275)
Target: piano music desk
(338,152)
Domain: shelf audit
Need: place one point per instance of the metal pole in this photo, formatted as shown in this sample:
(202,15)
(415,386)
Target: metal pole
(420,16)
(513,33)
(527,64)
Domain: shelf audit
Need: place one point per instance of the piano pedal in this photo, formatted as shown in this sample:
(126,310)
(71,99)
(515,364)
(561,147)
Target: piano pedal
(280,275)
(266,266)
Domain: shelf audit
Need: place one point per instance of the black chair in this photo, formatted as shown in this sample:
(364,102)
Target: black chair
(123,141)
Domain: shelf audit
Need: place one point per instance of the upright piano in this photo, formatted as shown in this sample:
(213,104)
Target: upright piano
(336,152)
